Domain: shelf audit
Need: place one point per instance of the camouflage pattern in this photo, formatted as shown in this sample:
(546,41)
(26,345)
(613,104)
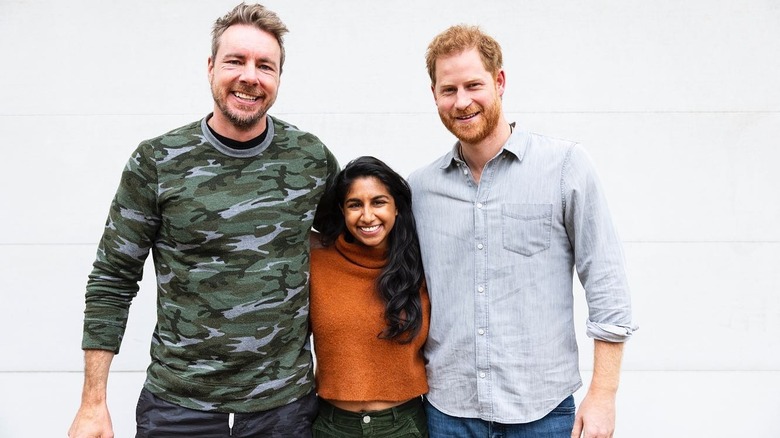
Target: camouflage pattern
(229,233)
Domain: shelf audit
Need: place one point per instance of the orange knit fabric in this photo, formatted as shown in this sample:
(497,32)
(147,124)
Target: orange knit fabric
(347,314)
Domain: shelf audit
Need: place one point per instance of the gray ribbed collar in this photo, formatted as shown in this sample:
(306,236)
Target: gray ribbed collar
(239,153)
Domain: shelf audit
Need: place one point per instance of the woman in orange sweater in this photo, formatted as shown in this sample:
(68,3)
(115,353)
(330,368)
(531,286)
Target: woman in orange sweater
(369,307)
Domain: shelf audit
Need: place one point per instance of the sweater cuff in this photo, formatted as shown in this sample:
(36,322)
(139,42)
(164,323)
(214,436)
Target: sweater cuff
(100,335)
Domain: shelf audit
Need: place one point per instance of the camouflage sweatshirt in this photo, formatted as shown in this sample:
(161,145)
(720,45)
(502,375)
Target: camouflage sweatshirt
(228,231)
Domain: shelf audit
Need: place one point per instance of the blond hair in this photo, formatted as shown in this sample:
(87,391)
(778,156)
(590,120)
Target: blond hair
(253,15)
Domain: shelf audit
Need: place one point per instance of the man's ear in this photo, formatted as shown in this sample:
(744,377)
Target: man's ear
(500,82)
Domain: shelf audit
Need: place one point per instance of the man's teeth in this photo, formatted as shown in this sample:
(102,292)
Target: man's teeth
(467,117)
(369,229)
(244,96)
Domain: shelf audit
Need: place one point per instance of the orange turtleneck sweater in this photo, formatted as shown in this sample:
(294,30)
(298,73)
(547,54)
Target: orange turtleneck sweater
(347,314)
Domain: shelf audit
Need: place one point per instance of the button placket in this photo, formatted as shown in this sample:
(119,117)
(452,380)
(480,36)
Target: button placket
(481,208)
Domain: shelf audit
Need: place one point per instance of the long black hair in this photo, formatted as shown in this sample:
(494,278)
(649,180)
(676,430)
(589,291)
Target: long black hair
(401,278)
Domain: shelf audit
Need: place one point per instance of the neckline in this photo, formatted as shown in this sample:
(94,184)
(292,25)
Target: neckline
(361,255)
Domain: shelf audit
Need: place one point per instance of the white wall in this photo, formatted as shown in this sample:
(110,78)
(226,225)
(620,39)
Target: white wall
(677,102)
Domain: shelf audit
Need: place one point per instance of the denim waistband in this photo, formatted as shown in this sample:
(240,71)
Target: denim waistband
(341,416)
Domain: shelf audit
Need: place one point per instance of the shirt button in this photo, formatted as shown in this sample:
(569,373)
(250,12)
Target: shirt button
(366,419)
(481,289)
(479,205)
(480,246)
(481,332)
(482,375)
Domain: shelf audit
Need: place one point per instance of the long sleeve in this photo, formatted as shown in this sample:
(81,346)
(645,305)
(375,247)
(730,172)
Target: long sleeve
(129,234)
(598,254)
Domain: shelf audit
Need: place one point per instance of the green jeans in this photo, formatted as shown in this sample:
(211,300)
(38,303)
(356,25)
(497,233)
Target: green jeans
(406,420)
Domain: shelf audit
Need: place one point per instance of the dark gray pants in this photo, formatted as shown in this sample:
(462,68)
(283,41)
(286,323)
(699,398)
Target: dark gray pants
(157,418)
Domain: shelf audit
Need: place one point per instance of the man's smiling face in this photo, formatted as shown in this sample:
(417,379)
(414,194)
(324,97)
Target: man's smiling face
(468,97)
(244,77)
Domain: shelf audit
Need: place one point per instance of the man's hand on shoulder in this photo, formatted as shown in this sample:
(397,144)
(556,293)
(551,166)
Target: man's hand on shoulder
(315,240)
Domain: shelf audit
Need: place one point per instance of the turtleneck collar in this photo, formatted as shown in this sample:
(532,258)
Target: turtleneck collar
(361,255)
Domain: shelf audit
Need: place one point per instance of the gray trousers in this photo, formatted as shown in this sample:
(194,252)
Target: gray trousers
(157,418)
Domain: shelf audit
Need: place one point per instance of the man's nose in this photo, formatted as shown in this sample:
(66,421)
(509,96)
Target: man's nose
(462,100)
(249,74)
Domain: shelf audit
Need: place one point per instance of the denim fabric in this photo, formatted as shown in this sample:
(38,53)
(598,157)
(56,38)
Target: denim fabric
(499,259)
(157,418)
(557,424)
(407,420)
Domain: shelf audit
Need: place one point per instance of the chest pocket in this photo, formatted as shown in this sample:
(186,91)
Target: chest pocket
(526,228)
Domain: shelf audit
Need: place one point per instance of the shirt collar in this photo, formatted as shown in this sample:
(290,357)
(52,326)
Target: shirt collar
(515,145)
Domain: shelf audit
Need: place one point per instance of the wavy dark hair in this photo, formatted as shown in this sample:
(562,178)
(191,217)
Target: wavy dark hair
(400,280)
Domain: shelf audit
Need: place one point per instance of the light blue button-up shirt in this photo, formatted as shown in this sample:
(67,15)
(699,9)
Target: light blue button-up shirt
(499,258)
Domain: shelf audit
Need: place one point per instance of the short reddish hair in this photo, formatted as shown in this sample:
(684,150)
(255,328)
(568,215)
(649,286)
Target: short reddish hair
(460,38)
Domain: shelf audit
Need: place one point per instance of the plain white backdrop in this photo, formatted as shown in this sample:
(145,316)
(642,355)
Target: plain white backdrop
(678,103)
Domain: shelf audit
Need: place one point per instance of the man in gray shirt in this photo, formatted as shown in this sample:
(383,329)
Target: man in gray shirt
(504,217)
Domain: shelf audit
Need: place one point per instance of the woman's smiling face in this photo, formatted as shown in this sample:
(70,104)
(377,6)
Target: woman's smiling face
(369,212)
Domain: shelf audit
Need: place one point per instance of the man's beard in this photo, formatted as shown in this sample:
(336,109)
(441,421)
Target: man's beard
(241,121)
(474,133)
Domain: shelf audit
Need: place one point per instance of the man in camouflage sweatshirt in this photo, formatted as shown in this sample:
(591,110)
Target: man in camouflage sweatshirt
(225,205)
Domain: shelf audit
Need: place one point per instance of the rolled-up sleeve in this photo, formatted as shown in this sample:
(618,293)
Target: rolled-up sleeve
(598,253)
